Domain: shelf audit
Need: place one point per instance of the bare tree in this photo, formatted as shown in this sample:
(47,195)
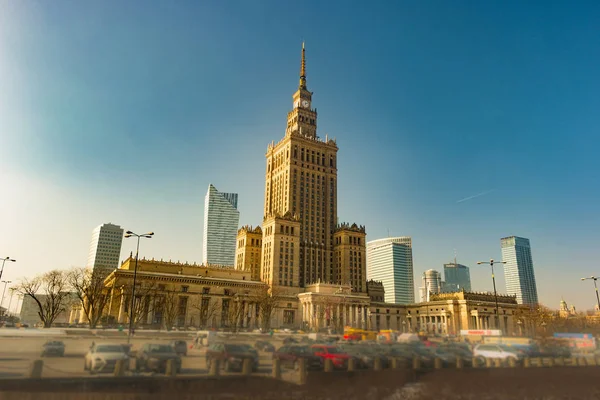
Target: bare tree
(266,300)
(88,285)
(235,312)
(50,291)
(207,308)
(145,301)
(168,304)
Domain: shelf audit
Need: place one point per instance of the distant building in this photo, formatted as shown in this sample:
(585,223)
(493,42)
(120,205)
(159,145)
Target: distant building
(457,277)
(30,310)
(390,261)
(376,291)
(518,270)
(105,247)
(221,219)
(431,283)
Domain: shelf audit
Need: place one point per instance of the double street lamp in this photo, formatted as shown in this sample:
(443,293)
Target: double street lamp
(4,260)
(594,278)
(129,234)
(491,264)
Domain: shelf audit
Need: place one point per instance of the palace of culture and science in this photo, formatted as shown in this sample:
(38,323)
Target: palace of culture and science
(312,265)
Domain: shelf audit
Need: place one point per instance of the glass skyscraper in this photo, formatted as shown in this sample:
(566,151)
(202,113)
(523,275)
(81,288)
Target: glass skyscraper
(390,261)
(456,277)
(221,219)
(518,270)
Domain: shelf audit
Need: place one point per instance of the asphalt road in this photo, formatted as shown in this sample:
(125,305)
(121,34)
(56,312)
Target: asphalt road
(18,353)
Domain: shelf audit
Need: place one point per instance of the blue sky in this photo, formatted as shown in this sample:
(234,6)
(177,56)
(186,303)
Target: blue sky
(124,112)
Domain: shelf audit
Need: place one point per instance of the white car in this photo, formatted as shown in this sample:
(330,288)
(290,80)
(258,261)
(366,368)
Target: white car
(103,357)
(500,351)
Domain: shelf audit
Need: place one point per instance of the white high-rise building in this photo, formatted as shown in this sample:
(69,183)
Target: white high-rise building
(390,261)
(518,270)
(221,219)
(431,283)
(105,248)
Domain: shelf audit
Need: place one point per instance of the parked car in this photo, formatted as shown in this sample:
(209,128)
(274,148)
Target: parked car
(500,351)
(289,356)
(180,347)
(231,356)
(127,348)
(290,340)
(154,357)
(264,346)
(53,348)
(338,357)
(103,357)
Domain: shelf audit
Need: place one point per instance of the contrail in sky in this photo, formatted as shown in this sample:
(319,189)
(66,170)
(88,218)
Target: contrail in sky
(477,195)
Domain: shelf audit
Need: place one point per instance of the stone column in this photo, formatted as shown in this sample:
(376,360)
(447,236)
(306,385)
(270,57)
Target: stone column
(359,321)
(121,308)
(150,316)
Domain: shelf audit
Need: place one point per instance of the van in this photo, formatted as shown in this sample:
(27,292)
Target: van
(205,338)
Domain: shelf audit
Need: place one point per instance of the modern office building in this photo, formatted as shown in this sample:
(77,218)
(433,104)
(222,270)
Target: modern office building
(457,277)
(105,248)
(221,218)
(518,270)
(431,282)
(390,261)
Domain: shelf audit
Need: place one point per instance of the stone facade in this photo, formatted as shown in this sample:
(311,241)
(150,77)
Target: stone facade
(248,252)
(301,179)
(350,261)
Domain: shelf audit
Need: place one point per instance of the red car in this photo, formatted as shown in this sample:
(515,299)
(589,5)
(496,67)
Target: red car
(335,354)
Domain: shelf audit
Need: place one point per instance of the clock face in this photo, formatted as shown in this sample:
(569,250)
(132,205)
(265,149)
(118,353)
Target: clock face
(304,103)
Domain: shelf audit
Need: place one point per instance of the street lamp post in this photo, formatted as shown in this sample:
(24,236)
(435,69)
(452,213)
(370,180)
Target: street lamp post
(594,278)
(427,300)
(12,293)
(129,234)
(491,264)
(4,260)
(543,325)
(4,291)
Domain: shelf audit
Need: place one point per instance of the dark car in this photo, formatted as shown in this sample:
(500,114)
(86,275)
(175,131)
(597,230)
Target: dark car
(289,357)
(127,348)
(263,345)
(154,357)
(556,351)
(180,347)
(231,356)
(53,348)
(290,340)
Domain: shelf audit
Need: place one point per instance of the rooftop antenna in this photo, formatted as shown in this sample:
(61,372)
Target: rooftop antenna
(388,229)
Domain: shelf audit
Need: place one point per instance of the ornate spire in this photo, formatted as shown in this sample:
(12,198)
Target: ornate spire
(303,70)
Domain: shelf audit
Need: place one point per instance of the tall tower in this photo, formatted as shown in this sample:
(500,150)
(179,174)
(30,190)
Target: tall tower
(221,219)
(518,270)
(105,247)
(301,186)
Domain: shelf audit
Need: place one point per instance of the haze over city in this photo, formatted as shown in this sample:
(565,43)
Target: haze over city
(456,125)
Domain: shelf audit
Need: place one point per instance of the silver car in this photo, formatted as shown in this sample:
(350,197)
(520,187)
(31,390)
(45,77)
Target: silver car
(103,357)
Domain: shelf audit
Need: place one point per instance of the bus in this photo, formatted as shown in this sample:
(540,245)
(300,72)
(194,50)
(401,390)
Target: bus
(355,334)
